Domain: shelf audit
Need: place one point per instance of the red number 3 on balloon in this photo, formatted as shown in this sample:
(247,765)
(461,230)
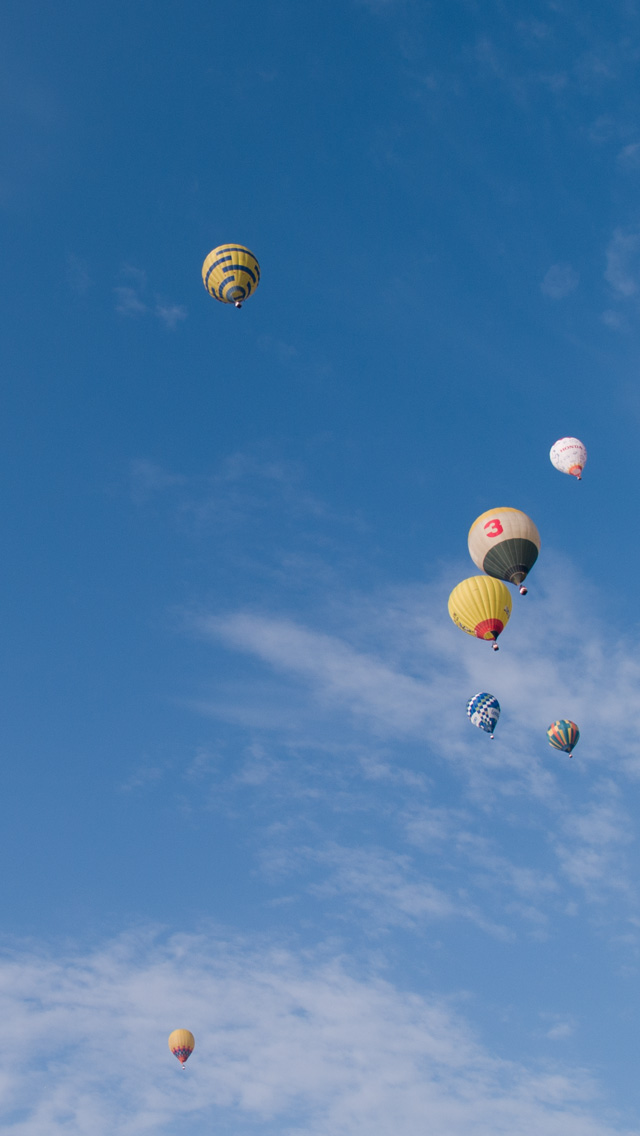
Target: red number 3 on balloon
(493,528)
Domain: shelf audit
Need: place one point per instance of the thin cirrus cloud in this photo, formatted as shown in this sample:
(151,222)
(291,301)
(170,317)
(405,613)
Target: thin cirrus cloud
(78,275)
(148,479)
(285,1043)
(623,262)
(338,673)
(559,281)
(392,891)
(395,669)
(132,300)
(414,664)
(629,156)
(591,846)
(622,273)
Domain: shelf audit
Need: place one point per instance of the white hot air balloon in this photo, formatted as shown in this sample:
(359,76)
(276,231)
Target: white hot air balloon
(569,456)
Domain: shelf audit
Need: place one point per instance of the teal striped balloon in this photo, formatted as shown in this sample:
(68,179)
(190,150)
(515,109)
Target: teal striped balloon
(563,735)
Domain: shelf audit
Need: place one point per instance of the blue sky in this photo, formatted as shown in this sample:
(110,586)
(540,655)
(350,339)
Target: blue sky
(240,792)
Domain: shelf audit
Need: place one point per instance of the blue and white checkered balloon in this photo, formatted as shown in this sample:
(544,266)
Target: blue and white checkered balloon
(484,711)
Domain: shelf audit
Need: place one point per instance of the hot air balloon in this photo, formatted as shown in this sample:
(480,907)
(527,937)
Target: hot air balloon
(481,606)
(182,1044)
(484,711)
(230,274)
(504,543)
(569,455)
(563,735)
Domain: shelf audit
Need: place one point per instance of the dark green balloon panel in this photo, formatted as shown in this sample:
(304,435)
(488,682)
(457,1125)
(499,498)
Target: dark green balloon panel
(511,560)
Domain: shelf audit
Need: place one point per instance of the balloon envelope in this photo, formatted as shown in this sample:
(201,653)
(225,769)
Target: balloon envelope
(563,735)
(484,711)
(481,606)
(230,273)
(504,543)
(182,1044)
(569,455)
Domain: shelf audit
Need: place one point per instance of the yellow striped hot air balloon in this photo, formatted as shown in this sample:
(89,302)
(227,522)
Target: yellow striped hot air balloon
(230,273)
(481,606)
(504,543)
(182,1044)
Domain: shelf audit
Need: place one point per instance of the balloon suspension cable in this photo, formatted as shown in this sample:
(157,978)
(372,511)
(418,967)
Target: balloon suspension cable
(523,590)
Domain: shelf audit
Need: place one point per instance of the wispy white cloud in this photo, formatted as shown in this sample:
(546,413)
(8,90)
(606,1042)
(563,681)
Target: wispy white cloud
(285,1043)
(623,261)
(629,156)
(360,709)
(561,1028)
(591,849)
(246,488)
(284,352)
(132,299)
(148,478)
(170,314)
(392,890)
(559,281)
(622,273)
(415,663)
(536,31)
(78,274)
(487,55)
(603,129)
(338,673)
(396,667)
(128,302)
(142,776)
(617,321)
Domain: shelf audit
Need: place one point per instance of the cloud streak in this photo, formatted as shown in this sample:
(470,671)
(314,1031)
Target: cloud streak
(132,300)
(391,679)
(623,262)
(559,281)
(406,665)
(285,1043)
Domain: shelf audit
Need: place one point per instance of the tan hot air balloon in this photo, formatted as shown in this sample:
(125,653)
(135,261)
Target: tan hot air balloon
(504,543)
(481,606)
(182,1044)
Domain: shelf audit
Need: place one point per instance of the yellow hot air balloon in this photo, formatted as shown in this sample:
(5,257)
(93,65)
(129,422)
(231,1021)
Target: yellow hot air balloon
(481,606)
(182,1044)
(504,543)
(230,274)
